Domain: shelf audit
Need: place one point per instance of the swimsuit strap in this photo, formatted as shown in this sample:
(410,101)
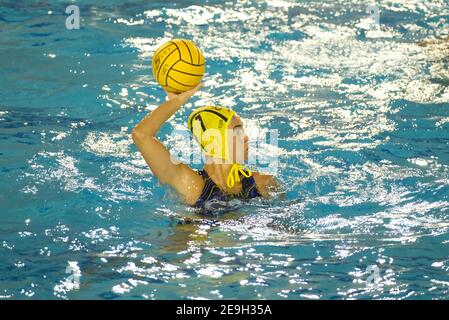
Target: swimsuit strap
(212,191)
(209,189)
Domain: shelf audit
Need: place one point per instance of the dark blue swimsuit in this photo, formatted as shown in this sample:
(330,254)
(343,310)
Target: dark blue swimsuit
(214,200)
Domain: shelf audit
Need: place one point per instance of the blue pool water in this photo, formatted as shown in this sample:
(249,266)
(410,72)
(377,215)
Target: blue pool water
(363,153)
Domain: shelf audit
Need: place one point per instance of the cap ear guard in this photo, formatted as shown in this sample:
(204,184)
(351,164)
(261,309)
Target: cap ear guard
(207,122)
(209,126)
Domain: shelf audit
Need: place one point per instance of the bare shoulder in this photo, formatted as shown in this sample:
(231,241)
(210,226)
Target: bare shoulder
(265,183)
(263,179)
(189,184)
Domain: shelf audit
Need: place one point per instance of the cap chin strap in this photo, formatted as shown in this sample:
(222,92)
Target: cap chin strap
(234,176)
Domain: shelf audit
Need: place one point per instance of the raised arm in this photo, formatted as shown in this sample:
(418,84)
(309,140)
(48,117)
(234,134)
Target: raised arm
(180,176)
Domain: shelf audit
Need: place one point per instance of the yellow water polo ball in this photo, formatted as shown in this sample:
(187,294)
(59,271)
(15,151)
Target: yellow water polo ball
(178,65)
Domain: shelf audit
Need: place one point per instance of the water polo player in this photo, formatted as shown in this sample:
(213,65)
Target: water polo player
(220,132)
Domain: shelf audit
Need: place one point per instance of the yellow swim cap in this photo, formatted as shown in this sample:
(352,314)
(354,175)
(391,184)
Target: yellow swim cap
(209,126)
